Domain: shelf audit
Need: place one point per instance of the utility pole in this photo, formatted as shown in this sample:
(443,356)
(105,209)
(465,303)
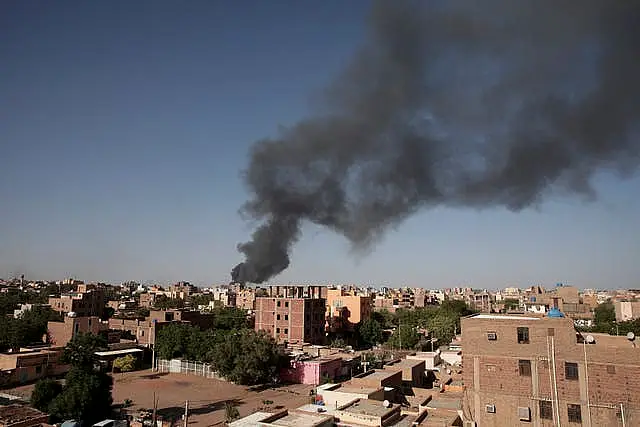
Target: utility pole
(186,413)
(154,417)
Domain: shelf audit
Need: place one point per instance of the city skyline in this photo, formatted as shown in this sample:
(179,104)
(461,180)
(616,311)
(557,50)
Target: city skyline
(125,130)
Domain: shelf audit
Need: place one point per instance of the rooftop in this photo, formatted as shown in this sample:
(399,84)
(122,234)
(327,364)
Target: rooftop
(368,407)
(295,419)
(504,317)
(250,420)
(13,414)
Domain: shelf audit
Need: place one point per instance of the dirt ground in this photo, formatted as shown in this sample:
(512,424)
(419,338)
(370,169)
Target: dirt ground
(206,396)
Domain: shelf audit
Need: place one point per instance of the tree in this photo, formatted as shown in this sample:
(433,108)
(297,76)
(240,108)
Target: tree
(443,326)
(229,318)
(604,314)
(404,337)
(369,332)
(80,351)
(248,357)
(162,302)
(44,393)
(231,412)
(125,363)
(511,303)
(86,394)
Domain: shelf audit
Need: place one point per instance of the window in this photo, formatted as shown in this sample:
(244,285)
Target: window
(278,317)
(611,369)
(278,303)
(141,332)
(546,410)
(523,335)
(574,412)
(286,303)
(492,336)
(286,317)
(38,370)
(570,371)
(286,331)
(524,368)
(277,330)
(89,322)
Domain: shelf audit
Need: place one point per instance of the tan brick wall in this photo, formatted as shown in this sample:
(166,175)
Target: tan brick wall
(491,373)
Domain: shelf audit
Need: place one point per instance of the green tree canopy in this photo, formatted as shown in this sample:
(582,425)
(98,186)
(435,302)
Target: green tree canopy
(126,363)
(86,394)
(404,337)
(44,393)
(369,332)
(248,357)
(604,314)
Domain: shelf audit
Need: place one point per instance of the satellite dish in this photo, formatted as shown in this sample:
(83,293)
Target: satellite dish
(386,403)
(590,339)
(631,336)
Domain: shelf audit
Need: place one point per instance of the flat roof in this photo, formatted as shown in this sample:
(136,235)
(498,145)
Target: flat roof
(454,404)
(15,413)
(357,390)
(250,420)
(117,352)
(295,419)
(368,407)
(504,317)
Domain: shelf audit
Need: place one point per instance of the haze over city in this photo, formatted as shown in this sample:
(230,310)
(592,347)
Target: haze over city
(124,131)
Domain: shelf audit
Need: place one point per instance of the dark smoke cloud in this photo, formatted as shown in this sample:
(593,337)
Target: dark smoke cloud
(464,104)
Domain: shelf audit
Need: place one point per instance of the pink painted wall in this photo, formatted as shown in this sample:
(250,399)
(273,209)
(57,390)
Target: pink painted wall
(311,371)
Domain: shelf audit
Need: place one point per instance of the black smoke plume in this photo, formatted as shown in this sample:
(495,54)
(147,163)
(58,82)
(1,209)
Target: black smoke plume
(464,104)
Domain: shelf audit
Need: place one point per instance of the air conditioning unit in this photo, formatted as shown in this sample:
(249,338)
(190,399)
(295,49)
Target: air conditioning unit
(491,409)
(492,336)
(524,414)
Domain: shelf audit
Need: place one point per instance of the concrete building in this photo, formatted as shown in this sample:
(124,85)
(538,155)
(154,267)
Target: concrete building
(293,319)
(28,365)
(627,310)
(312,371)
(145,331)
(413,371)
(345,309)
(538,371)
(60,333)
(88,300)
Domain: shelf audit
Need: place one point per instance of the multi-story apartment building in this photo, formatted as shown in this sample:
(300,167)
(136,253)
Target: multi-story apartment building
(294,319)
(346,309)
(88,300)
(532,370)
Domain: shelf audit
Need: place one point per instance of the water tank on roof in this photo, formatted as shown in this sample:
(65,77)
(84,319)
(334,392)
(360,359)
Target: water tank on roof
(554,312)
(72,314)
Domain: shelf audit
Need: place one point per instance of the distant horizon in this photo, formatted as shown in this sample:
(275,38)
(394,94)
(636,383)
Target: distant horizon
(264,285)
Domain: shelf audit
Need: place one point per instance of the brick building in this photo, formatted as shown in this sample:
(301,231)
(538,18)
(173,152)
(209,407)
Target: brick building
(292,319)
(88,300)
(538,371)
(60,333)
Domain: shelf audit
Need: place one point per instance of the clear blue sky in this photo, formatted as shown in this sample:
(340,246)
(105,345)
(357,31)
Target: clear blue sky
(124,126)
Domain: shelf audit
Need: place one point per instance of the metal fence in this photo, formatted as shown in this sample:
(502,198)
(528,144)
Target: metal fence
(178,366)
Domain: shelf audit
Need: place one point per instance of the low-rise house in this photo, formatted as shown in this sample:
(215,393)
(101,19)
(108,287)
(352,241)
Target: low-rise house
(29,365)
(312,371)
(21,416)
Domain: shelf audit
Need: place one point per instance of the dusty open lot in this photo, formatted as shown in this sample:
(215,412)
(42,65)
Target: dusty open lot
(206,396)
